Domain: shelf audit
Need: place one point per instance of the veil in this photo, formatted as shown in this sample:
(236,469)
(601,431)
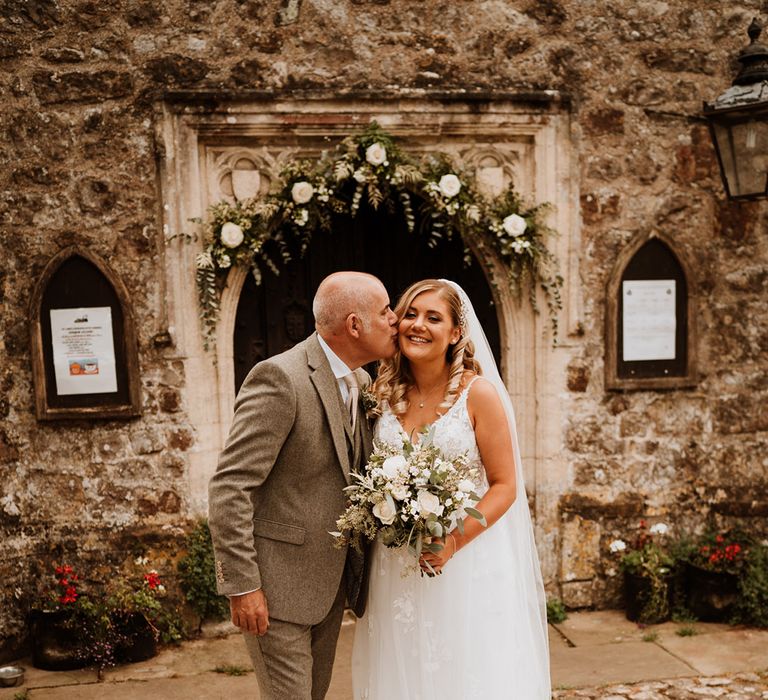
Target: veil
(529,596)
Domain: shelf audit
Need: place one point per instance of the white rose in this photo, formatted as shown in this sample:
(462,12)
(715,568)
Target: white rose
(393,466)
(466,486)
(359,176)
(384,512)
(449,185)
(400,492)
(618,546)
(231,235)
(376,154)
(514,225)
(428,502)
(659,529)
(302,192)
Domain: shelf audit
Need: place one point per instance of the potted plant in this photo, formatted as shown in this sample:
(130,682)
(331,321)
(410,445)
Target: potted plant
(58,622)
(648,569)
(137,615)
(714,564)
(120,621)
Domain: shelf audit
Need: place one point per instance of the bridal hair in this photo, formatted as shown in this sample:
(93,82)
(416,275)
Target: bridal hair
(395,377)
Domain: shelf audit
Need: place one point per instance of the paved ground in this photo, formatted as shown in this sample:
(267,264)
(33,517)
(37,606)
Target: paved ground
(595,655)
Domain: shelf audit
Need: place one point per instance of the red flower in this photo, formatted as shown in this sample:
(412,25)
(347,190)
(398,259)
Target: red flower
(719,539)
(152,579)
(70,595)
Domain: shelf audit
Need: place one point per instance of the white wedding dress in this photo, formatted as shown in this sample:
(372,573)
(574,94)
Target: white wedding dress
(473,632)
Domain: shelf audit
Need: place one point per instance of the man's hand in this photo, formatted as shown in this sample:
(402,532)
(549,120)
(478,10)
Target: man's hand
(250,612)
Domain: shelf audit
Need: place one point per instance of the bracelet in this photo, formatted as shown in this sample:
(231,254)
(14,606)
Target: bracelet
(455,546)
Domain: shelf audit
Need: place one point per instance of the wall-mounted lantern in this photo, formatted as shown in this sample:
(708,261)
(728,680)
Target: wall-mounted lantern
(738,122)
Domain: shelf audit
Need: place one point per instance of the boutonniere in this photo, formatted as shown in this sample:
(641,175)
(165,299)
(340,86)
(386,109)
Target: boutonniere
(370,403)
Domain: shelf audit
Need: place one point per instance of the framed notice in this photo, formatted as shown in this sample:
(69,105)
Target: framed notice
(650,323)
(84,354)
(83,350)
(649,320)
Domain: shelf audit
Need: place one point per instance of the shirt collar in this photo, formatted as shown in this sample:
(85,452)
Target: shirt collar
(338,367)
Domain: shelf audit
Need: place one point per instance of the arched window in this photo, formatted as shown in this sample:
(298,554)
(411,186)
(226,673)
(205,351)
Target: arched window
(650,319)
(84,351)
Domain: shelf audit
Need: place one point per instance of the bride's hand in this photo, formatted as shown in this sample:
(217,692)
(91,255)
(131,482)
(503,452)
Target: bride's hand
(432,563)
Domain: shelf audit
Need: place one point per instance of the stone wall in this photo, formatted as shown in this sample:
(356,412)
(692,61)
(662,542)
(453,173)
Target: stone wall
(79,79)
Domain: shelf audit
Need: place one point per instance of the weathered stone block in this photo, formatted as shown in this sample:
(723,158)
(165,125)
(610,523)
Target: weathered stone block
(740,414)
(95,195)
(65,54)
(603,121)
(686,60)
(181,439)
(626,505)
(176,70)
(52,87)
(577,594)
(577,376)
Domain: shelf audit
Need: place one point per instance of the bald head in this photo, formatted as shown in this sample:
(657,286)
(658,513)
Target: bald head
(342,294)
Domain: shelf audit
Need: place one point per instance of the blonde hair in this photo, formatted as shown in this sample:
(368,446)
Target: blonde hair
(395,377)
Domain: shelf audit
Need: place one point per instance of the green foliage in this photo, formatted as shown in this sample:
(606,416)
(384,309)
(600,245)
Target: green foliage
(21,695)
(752,606)
(556,611)
(232,670)
(198,578)
(687,631)
(650,636)
(369,167)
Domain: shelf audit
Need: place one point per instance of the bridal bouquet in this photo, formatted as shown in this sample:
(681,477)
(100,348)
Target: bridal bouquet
(409,496)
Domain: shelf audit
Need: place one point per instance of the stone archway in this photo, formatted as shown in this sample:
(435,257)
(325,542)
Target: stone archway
(218,146)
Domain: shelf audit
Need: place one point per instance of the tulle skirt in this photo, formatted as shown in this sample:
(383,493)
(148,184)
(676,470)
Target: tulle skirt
(475,631)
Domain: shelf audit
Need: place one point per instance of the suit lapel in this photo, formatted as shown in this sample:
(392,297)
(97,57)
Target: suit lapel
(328,391)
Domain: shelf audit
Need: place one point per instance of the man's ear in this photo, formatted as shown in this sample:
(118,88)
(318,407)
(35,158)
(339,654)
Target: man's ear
(353,325)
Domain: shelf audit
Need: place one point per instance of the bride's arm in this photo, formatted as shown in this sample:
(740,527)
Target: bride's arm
(495,444)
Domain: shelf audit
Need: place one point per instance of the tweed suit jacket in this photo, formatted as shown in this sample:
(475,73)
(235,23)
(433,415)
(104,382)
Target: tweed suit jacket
(278,487)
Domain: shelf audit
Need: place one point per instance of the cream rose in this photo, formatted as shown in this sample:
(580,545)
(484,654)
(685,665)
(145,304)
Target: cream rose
(428,502)
(449,185)
(231,235)
(376,154)
(514,225)
(393,466)
(302,192)
(384,512)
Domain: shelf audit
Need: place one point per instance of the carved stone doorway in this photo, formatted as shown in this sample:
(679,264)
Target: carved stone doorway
(277,314)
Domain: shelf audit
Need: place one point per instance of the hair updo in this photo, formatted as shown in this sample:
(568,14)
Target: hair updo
(395,377)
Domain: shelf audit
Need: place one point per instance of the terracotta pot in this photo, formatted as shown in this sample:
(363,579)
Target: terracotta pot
(138,639)
(637,595)
(56,646)
(710,595)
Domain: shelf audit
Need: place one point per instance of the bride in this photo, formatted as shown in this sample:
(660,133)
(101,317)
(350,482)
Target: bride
(477,628)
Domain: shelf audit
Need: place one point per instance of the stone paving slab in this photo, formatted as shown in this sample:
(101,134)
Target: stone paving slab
(627,662)
(721,652)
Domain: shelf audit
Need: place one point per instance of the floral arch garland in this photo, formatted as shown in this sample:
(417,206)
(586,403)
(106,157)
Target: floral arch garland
(266,232)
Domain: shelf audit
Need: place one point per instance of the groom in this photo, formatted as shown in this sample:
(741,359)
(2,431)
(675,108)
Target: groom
(297,433)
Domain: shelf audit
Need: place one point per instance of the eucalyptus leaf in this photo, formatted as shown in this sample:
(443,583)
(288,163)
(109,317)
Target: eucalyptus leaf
(477,515)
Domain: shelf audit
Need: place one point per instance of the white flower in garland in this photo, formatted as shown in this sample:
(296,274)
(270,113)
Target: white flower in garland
(301,217)
(225,261)
(376,154)
(231,235)
(302,192)
(449,185)
(514,225)
(473,213)
(359,176)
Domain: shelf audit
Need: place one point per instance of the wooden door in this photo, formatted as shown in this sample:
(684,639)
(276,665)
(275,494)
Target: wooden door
(277,314)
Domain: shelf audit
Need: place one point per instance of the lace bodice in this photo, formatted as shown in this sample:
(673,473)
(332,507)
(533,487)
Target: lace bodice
(454,434)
